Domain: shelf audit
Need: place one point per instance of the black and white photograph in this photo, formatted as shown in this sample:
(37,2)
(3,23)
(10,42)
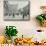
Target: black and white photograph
(16,10)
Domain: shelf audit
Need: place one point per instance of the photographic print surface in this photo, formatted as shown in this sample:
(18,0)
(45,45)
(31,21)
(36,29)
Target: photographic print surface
(16,10)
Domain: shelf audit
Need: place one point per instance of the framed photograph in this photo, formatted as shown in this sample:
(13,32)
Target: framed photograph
(16,10)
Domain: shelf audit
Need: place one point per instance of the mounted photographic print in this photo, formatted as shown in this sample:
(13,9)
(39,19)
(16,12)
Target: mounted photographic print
(16,10)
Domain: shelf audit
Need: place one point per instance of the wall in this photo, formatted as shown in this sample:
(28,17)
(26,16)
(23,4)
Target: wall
(27,28)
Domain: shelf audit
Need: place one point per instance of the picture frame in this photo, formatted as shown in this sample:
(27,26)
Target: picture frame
(16,10)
